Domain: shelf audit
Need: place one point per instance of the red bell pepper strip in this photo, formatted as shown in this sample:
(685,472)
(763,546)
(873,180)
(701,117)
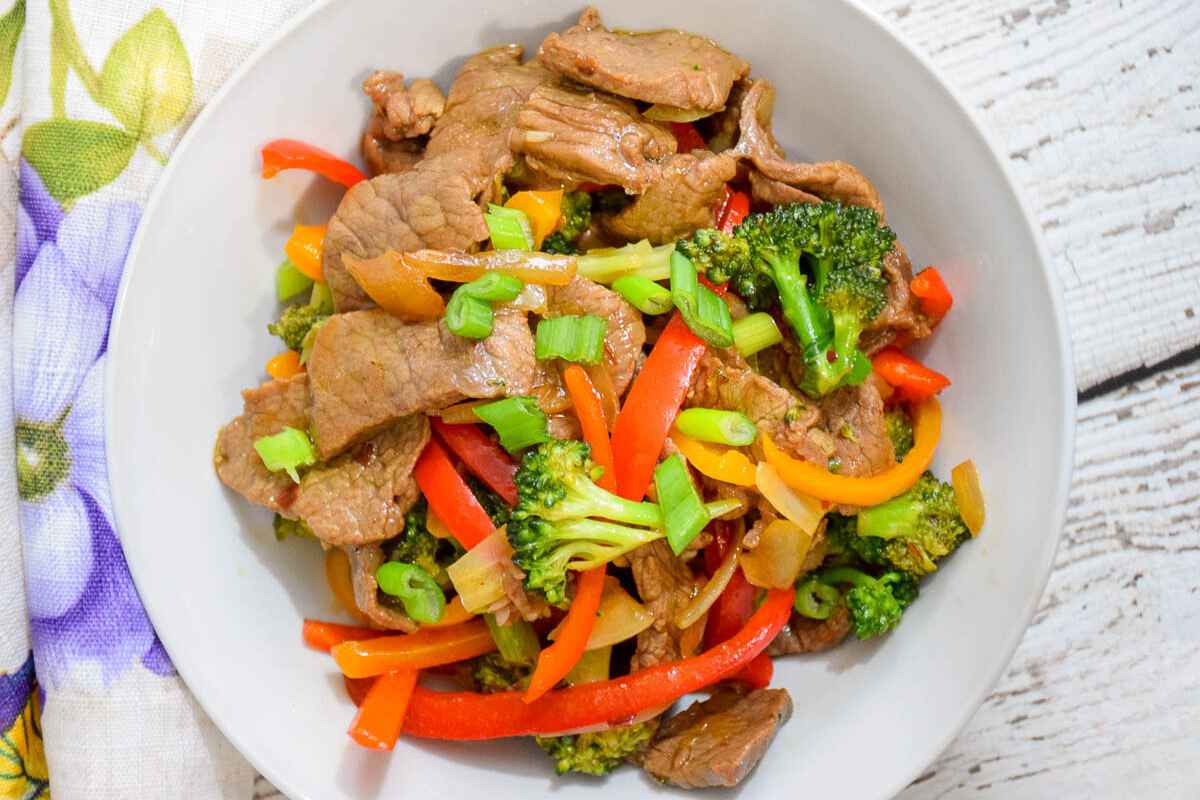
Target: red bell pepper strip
(912,380)
(757,674)
(651,406)
(474,716)
(482,457)
(377,724)
(284,154)
(590,412)
(730,611)
(734,212)
(556,661)
(687,138)
(450,497)
(325,635)
(935,298)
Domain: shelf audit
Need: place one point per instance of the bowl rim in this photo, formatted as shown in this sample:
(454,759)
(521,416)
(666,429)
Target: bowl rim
(1052,285)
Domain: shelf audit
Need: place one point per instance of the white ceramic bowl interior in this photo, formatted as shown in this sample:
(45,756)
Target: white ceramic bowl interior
(189,333)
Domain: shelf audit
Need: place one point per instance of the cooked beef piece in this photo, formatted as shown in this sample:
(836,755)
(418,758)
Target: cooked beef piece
(267,410)
(854,418)
(721,129)
(384,155)
(368,370)
(682,200)
(718,741)
(804,635)
(902,314)
(564,426)
(776,193)
(362,495)
(576,136)
(665,584)
(517,603)
(406,112)
(364,560)
(669,67)
(626,332)
(828,180)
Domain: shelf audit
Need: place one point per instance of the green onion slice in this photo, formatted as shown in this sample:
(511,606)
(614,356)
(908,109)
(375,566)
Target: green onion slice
(321,298)
(717,425)
(644,294)
(287,450)
(468,316)
(290,281)
(705,314)
(684,514)
(423,599)
(571,338)
(517,420)
(493,287)
(755,332)
(509,228)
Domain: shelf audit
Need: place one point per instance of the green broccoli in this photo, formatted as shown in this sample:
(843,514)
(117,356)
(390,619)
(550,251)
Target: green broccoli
(900,431)
(577,216)
(296,322)
(875,604)
(285,527)
(722,257)
(597,753)
(843,247)
(492,503)
(416,545)
(494,673)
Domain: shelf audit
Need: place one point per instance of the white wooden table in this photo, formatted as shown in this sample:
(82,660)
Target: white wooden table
(1098,105)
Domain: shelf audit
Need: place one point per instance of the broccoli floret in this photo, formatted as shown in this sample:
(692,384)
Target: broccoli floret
(841,535)
(576,217)
(900,431)
(494,673)
(918,528)
(294,324)
(723,257)
(285,527)
(416,545)
(552,530)
(875,604)
(843,247)
(492,503)
(597,753)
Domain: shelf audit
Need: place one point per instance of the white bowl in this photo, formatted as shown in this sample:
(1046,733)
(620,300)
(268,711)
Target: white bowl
(189,332)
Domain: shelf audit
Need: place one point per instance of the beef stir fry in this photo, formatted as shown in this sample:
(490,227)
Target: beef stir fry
(594,399)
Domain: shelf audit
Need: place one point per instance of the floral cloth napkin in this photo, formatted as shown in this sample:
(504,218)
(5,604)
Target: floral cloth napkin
(94,95)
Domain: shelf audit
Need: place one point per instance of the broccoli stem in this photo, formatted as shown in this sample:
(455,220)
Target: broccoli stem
(586,499)
(889,520)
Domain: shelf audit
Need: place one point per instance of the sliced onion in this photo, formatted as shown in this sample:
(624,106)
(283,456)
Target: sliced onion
(532,298)
(968,495)
(661,112)
(800,508)
(694,610)
(619,617)
(535,137)
(462,413)
(478,576)
(396,286)
(776,561)
(437,529)
(529,266)
(610,403)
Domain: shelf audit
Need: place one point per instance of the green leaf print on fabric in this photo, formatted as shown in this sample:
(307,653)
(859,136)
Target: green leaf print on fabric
(146,80)
(10,31)
(76,157)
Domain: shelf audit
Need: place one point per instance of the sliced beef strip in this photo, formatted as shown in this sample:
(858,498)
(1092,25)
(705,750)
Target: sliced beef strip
(717,742)
(362,495)
(828,180)
(384,155)
(406,112)
(267,410)
(804,635)
(854,417)
(577,136)
(665,584)
(682,200)
(364,560)
(902,315)
(368,370)
(669,67)
(776,193)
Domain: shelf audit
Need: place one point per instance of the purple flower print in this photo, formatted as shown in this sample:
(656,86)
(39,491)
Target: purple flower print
(82,602)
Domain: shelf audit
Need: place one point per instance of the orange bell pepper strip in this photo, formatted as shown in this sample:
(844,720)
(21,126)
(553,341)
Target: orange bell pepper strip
(652,405)
(555,661)
(327,635)
(284,365)
(475,716)
(726,464)
(912,380)
(341,585)
(305,247)
(734,212)
(482,457)
(428,647)
(455,614)
(357,688)
(380,717)
(590,411)
(282,154)
(935,297)
(450,497)
(543,208)
(804,476)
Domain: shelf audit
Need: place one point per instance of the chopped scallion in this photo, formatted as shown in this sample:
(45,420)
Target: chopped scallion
(509,228)
(493,287)
(290,281)
(571,338)
(287,450)
(605,265)
(422,598)
(705,314)
(644,294)
(717,425)
(684,514)
(755,332)
(517,420)
(321,298)
(468,316)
